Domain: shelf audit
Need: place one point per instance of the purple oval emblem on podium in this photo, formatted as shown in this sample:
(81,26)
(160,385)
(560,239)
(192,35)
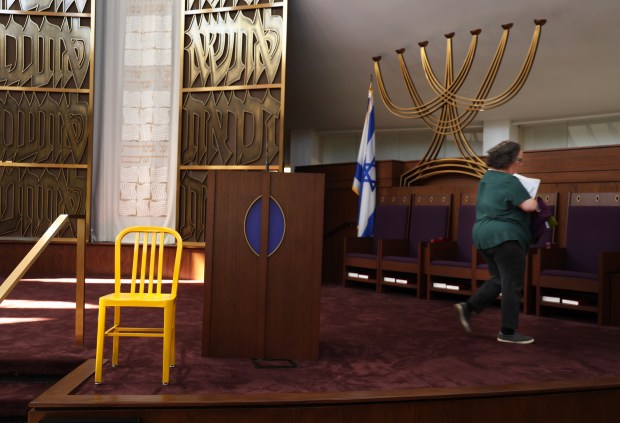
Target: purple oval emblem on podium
(276,228)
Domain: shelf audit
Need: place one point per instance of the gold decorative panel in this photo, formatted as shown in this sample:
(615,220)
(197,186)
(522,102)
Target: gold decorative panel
(43,127)
(192,195)
(39,196)
(232,98)
(212,120)
(46,92)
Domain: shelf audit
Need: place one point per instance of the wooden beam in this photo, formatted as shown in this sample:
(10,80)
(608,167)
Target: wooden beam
(80,280)
(11,281)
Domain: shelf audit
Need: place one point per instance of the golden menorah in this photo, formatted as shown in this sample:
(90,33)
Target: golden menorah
(449,113)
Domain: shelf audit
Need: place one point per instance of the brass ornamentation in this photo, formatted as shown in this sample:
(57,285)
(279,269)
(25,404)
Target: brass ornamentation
(448,113)
(46,91)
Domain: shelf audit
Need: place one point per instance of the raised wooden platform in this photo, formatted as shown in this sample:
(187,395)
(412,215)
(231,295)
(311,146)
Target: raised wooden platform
(567,401)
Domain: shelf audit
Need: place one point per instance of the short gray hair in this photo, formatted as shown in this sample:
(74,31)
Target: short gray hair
(503,154)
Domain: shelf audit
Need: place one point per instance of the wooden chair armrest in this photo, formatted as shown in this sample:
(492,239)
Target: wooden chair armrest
(358,245)
(609,262)
(547,258)
(444,250)
(552,258)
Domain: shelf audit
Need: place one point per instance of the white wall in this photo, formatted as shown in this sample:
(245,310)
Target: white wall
(342,147)
(412,144)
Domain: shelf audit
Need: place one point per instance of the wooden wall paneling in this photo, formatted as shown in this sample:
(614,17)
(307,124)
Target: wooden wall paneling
(339,215)
(388,173)
(572,161)
(47,265)
(99,260)
(193,263)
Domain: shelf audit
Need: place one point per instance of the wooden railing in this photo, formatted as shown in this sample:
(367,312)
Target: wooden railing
(35,252)
(20,270)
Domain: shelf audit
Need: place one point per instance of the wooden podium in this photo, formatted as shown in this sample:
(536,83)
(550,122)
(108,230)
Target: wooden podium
(263,265)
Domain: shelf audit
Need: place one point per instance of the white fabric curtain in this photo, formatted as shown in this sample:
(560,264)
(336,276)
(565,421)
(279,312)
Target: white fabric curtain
(135,134)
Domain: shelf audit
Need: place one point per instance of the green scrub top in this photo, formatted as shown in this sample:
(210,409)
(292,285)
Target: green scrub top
(498,216)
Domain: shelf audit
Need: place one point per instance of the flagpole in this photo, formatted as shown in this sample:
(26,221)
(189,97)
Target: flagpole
(365,180)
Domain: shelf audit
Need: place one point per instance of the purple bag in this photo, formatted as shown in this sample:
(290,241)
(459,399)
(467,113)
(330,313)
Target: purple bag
(542,220)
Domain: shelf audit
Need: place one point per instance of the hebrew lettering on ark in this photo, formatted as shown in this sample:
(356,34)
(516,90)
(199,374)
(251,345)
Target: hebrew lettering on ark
(39,53)
(230,128)
(31,198)
(233,49)
(43,128)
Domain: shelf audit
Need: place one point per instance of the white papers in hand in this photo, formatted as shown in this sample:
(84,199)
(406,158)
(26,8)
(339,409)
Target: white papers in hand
(530,184)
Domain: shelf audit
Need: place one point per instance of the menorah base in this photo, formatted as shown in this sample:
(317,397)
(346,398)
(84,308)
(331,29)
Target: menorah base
(473,167)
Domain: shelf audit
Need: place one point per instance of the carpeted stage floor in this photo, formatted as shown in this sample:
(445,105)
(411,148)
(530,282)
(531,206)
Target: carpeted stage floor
(368,342)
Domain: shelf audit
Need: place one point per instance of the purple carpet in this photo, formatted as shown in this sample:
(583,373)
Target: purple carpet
(368,342)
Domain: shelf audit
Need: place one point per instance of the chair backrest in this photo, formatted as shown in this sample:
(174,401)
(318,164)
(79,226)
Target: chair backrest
(464,237)
(149,261)
(592,227)
(391,217)
(429,219)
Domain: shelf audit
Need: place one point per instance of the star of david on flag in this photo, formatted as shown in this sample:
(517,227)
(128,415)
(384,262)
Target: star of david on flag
(365,181)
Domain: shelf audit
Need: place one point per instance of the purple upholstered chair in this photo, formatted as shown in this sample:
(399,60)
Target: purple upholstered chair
(449,266)
(361,255)
(577,275)
(402,260)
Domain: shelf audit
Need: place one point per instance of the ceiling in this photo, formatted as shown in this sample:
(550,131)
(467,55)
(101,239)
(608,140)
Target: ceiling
(331,44)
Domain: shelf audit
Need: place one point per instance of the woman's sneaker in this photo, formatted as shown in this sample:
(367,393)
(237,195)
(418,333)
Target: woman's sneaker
(463,314)
(515,338)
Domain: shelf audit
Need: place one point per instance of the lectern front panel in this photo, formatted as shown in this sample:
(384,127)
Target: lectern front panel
(263,265)
(233,266)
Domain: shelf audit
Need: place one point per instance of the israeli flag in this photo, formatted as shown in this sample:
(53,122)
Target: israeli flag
(365,181)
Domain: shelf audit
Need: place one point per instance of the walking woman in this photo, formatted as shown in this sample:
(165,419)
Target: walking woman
(501,233)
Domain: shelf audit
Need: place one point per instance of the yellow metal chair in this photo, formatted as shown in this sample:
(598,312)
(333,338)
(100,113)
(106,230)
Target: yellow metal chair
(147,289)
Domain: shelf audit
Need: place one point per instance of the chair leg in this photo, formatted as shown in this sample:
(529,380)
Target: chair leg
(100,344)
(173,338)
(115,338)
(167,339)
